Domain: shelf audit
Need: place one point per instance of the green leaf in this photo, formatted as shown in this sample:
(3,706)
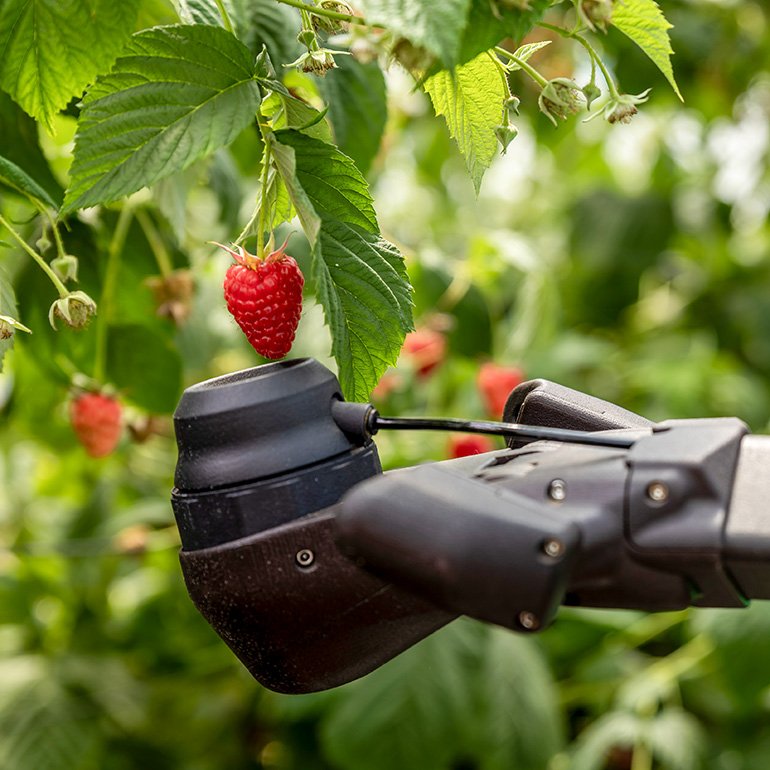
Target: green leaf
(519,720)
(176,94)
(268,23)
(471,101)
(357,101)
(287,111)
(360,278)
(525,52)
(145,367)
(51,50)
(435,25)
(488,25)
(363,287)
(20,181)
(408,714)
(334,185)
(256,23)
(20,145)
(645,24)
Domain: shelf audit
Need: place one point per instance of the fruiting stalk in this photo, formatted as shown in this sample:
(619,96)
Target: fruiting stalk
(60,287)
(528,68)
(324,12)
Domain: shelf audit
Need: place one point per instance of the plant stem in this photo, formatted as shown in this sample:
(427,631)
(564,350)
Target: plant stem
(225,17)
(60,251)
(595,58)
(324,12)
(114,251)
(262,225)
(642,757)
(157,246)
(60,287)
(530,70)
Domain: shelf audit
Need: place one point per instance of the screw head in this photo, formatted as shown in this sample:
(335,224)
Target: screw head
(304,558)
(657,492)
(557,490)
(528,620)
(553,548)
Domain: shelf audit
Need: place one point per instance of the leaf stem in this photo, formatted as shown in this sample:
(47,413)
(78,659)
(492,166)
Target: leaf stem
(158,248)
(114,251)
(529,69)
(225,17)
(60,287)
(60,250)
(324,12)
(595,58)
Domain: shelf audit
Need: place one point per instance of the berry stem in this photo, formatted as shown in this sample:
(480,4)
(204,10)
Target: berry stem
(114,251)
(595,58)
(263,193)
(60,287)
(225,17)
(528,68)
(158,247)
(324,12)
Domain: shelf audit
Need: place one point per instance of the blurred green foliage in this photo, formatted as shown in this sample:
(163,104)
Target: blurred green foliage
(627,261)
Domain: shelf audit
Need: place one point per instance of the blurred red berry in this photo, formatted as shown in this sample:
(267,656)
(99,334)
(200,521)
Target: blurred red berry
(96,420)
(462,445)
(495,384)
(389,382)
(426,349)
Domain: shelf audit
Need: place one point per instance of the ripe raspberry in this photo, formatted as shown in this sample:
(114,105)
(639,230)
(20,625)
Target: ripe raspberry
(466,445)
(264,296)
(495,384)
(426,349)
(96,420)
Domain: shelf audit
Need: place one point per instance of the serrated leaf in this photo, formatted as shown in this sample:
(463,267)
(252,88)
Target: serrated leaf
(435,25)
(20,181)
(20,144)
(357,100)
(268,23)
(489,24)
(176,94)
(286,111)
(645,24)
(471,101)
(207,11)
(364,290)
(332,182)
(256,23)
(360,278)
(51,50)
(525,52)
(519,719)
(408,714)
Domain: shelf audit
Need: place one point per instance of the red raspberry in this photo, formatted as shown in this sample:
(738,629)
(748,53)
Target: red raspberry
(495,384)
(96,420)
(265,298)
(461,445)
(426,349)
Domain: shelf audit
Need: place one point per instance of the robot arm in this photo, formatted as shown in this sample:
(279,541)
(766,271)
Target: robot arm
(316,568)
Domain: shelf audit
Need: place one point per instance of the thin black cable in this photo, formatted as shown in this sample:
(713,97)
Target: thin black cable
(524,432)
